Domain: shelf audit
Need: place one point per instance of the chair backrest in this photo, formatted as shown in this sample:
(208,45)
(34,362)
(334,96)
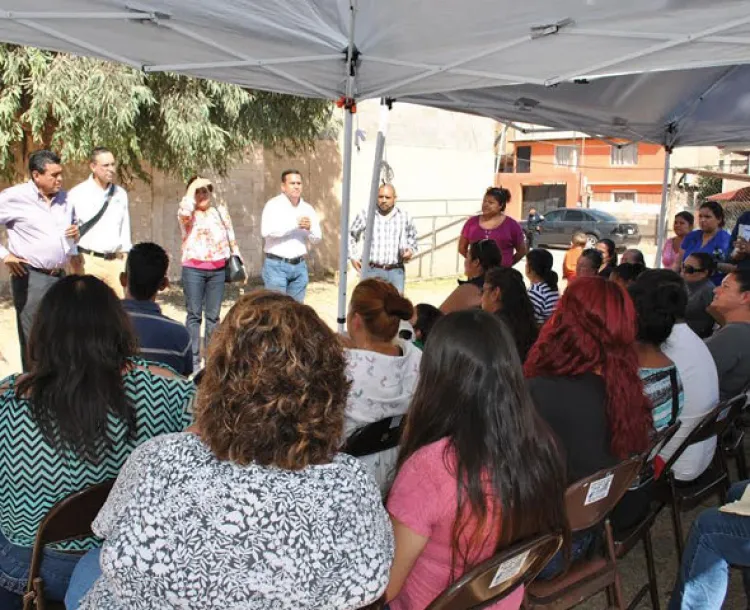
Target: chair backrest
(713,424)
(500,575)
(375,437)
(660,440)
(590,500)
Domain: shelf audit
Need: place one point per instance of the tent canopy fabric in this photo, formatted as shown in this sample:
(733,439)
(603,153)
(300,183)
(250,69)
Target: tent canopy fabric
(477,55)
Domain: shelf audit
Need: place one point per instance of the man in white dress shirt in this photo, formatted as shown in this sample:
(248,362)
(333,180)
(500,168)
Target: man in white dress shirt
(102,211)
(287,225)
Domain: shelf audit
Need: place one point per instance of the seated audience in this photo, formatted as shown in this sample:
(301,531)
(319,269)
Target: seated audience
(589,263)
(700,380)
(633,256)
(382,368)
(425,316)
(717,541)
(481,257)
(71,421)
(252,507)
(609,257)
(505,295)
(543,291)
(730,345)
(656,306)
(626,273)
(697,271)
(570,262)
(739,249)
(477,469)
(160,339)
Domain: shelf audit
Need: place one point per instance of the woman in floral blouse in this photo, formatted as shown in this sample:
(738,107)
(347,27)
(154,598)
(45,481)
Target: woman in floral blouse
(207,242)
(254,508)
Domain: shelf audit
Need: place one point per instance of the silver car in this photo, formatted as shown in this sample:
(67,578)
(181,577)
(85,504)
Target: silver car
(558,227)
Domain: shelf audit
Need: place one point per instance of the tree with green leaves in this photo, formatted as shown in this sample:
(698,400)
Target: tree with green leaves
(707,186)
(174,123)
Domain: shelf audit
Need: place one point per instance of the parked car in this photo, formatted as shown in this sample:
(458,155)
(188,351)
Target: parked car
(558,227)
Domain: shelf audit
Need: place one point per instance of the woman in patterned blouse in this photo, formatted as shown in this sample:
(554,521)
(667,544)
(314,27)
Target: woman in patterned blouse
(72,421)
(253,508)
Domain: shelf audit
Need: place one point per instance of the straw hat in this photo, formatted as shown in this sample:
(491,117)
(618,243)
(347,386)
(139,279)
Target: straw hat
(200,183)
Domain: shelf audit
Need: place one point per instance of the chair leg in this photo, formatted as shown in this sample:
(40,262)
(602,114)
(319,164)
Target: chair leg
(741,462)
(677,525)
(653,586)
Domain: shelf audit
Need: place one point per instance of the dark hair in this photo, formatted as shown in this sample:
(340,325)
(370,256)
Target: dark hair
(686,216)
(628,272)
(540,262)
(637,254)
(660,298)
(594,256)
(516,309)
(505,461)
(146,268)
(499,194)
(381,307)
(40,159)
(275,387)
(99,150)
(611,250)
(288,172)
(742,275)
(427,315)
(487,252)
(78,348)
(716,210)
(706,261)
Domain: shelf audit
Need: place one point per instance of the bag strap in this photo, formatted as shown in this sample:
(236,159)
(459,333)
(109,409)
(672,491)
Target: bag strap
(89,224)
(226,228)
(675,395)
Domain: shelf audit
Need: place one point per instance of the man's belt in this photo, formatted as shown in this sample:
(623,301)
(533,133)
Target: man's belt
(51,272)
(387,267)
(107,256)
(291,261)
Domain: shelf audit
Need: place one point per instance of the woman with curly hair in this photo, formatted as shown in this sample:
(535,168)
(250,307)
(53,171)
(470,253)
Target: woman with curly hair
(254,507)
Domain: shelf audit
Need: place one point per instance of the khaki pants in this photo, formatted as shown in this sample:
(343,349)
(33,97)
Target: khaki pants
(107,271)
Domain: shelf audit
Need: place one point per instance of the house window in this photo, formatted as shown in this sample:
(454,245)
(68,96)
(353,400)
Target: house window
(627,154)
(624,196)
(566,156)
(523,159)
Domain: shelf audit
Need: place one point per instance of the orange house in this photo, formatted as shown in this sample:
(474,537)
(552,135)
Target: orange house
(568,169)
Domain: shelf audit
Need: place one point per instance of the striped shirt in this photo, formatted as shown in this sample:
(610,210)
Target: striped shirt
(658,387)
(543,299)
(392,234)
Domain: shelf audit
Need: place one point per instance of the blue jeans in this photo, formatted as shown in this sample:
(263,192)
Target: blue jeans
(716,541)
(83,578)
(281,276)
(204,291)
(15,561)
(397,277)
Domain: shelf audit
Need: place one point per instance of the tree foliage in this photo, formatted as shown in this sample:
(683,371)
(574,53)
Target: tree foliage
(707,186)
(176,124)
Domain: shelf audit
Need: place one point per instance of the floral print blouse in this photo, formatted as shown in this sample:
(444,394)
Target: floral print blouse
(207,235)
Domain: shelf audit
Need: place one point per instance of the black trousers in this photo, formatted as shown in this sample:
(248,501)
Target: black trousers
(28,291)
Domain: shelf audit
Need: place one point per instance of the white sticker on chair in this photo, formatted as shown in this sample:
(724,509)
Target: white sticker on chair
(509,569)
(598,490)
(723,414)
(396,422)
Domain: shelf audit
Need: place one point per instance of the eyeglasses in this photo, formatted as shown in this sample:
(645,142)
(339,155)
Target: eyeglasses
(689,269)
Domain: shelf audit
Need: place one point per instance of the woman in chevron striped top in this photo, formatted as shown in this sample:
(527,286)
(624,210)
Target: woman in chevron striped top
(72,421)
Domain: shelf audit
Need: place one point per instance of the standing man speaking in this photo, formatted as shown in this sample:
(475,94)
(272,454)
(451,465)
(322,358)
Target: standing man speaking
(287,225)
(102,210)
(42,233)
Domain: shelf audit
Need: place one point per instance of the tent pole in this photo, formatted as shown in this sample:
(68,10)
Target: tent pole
(374,188)
(346,191)
(661,224)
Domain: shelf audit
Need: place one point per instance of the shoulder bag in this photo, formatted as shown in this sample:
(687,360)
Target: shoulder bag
(234,270)
(89,224)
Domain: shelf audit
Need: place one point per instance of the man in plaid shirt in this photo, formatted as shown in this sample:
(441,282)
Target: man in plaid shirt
(394,240)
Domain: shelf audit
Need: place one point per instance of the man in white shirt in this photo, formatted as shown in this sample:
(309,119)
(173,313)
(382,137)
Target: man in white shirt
(287,225)
(102,211)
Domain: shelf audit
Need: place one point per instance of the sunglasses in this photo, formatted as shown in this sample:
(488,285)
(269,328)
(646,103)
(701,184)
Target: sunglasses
(689,269)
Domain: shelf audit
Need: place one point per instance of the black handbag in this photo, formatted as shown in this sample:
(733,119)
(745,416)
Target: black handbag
(234,269)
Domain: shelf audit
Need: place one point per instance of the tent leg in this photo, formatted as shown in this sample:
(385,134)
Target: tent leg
(346,191)
(374,188)
(661,225)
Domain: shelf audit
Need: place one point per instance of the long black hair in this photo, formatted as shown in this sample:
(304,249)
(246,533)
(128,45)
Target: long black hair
(516,309)
(611,251)
(472,392)
(487,252)
(540,262)
(78,349)
(660,299)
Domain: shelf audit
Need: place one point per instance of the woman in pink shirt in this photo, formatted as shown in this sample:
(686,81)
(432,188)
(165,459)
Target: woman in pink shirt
(471,420)
(494,224)
(683,224)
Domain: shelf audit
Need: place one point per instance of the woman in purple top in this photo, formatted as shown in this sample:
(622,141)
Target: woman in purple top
(494,224)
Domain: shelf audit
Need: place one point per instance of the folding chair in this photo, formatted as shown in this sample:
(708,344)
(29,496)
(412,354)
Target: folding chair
(733,441)
(684,496)
(641,531)
(376,437)
(498,576)
(588,504)
(69,519)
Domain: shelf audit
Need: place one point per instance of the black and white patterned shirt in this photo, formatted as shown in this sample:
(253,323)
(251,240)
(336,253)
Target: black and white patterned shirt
(183,529)
(392,234)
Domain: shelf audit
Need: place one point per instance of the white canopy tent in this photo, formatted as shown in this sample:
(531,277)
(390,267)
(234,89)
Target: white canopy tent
(492,57)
